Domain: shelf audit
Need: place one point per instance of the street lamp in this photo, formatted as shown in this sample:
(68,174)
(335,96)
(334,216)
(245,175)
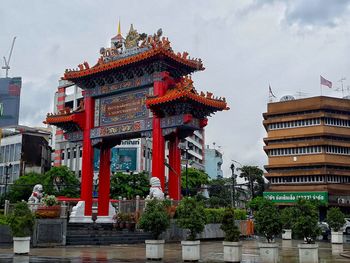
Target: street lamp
(233,185)
(7,167)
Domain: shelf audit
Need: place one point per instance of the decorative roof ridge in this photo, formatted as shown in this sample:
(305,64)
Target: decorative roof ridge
(137,48)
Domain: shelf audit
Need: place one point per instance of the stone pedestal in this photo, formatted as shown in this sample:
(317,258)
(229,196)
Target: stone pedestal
(21,245)
(337,237)
(191,250)
(232,251)
(268,252)
(287,234)
(154,249)
(78,214)
(109,218)
(337,249)
(308,253)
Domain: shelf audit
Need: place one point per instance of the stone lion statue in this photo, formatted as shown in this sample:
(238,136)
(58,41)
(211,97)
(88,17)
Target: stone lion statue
(155,192)
(36,195)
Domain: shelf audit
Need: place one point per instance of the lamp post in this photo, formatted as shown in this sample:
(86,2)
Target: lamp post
(7,167)
(233,185)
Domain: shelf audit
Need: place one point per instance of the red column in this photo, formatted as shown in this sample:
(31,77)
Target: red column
(87,174)
(158,143)
(104,181)
(174,184)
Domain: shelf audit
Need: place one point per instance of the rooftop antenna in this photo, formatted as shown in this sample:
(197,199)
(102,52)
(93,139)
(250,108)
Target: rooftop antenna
(6,67)
(342,86)
(301,94)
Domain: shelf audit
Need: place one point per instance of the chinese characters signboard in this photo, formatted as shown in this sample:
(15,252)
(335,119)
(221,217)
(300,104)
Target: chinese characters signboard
(292,197)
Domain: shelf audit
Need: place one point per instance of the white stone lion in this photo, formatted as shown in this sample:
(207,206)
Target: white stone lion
(155,192)
(36,195)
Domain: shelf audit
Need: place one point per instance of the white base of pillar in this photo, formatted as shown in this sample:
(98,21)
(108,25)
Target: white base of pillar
(109,218)
(77,215)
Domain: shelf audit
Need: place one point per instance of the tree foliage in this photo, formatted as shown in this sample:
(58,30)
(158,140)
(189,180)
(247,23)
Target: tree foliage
(228,225)
(23,186)
(21,220)
(267,219)
(196,178)
(61,181)
(155,218)
(287,217)
(129,185)
(335,218)
(220,192)
(254,176)
(306,223)
(190,215)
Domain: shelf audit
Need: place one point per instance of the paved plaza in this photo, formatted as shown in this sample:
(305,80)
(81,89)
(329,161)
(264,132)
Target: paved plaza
(211,251)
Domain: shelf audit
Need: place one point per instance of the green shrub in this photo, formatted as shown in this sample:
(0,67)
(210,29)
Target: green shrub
(215,215)
(3,220)
(287,217)
(306,221)
(191,216)
(335,219)
(228,225)
(50,200)
(21,220)
(155,218)
(268,221)
(240,214)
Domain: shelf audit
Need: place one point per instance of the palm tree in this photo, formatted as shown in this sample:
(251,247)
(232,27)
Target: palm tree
(254,176)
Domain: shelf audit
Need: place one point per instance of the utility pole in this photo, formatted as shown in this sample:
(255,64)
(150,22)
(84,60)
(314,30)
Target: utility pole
(233,185)
(7,167)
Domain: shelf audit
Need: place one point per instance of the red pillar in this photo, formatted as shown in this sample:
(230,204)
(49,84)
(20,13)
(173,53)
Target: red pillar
(174,184)
(104,181)
(87,175)
(158,143)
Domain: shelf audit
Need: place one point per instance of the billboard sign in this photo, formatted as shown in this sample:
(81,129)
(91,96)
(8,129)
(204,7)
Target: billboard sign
(10,91)
(292,197)
(122,159)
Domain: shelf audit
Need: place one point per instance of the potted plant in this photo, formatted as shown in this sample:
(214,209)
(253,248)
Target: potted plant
(155,219)
(287,215)
(336,221)
(232,245)
(21,222)
(49,207)
(190,215)
(306,226)
(268,223)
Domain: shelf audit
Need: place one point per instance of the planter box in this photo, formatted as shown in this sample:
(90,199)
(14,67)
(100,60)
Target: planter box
(232,251)
(337,237)
(154,249)
(268,252)
(287,234)
(308,253)
(21,245)
(48,211)
(191,250)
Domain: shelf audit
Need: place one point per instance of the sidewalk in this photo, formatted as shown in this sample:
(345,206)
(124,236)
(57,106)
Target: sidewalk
(211,251)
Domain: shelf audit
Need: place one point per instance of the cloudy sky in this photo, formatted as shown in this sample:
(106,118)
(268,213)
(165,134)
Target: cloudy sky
(245,45)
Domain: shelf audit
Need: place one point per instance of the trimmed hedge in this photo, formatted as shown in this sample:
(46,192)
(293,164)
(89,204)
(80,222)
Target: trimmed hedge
(215,215)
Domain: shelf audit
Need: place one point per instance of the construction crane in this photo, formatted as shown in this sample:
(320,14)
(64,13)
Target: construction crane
(7,61)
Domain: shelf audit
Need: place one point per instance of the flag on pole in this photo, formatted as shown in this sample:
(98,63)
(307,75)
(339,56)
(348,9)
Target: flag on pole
(326,82)
(270,92)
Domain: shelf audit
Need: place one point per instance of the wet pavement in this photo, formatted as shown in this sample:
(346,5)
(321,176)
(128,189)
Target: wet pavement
(211,251)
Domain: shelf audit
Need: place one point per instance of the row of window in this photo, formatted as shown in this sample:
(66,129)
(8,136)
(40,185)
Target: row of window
(11,173)
(309,150)
(295,151)
(309,139)
(293,124)
(337,122)
(71,153)
(10,153)
(309,122)
(310,179)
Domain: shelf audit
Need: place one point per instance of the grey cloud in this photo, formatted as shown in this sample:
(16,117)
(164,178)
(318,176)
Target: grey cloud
(316,12)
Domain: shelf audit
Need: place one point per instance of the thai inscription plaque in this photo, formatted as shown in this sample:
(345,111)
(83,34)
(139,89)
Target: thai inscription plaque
(124,107)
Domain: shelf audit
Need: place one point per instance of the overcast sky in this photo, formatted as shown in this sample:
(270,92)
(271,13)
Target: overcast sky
(244,45)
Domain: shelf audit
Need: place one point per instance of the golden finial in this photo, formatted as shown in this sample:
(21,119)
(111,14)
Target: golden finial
(119,31)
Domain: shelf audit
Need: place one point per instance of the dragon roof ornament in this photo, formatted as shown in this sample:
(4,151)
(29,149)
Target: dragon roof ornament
(131,49)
